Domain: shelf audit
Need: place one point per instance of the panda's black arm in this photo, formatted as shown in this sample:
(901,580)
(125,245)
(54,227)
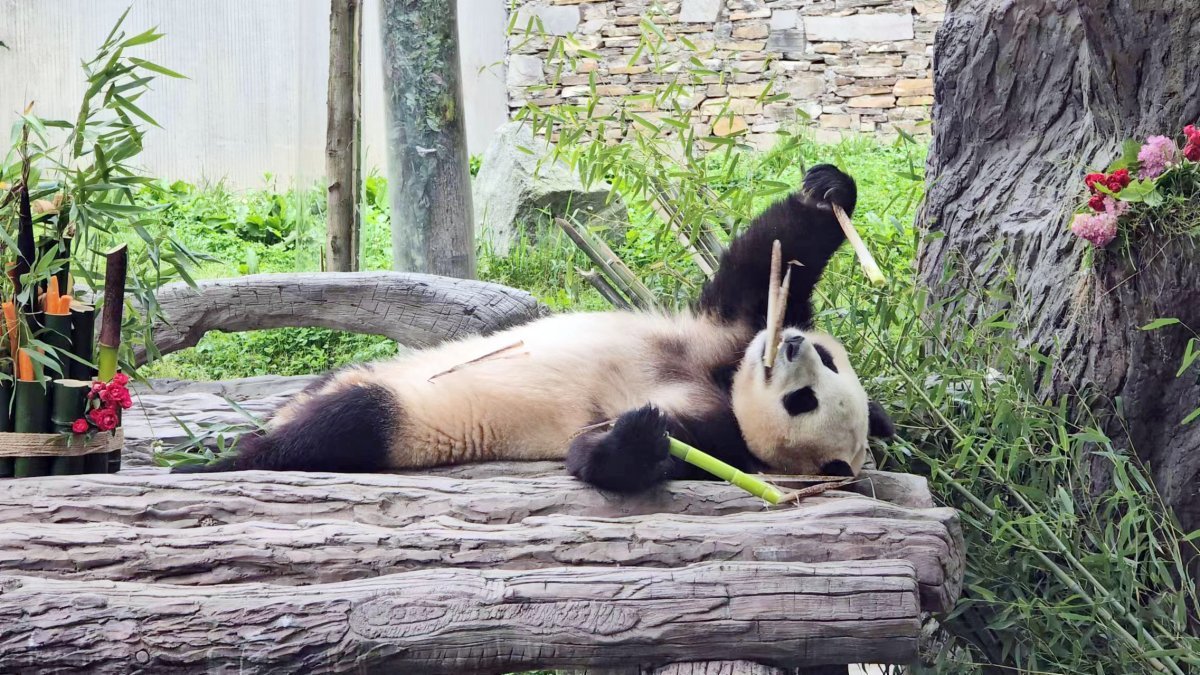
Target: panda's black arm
(808,233)
(634,455)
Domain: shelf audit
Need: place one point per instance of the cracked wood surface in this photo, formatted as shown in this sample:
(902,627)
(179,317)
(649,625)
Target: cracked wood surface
(416,310)
(156,498)
(458,620)
(852,529)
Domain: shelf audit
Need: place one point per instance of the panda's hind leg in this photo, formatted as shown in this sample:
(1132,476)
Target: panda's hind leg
(632,456)
(348,429)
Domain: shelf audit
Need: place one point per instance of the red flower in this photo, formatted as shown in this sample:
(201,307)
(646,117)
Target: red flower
(104,418)
(1118,180)
(1193,134)
(1097,203)
(117,395)
(120,379)
(1092,178)
(1192,151)
(79,426)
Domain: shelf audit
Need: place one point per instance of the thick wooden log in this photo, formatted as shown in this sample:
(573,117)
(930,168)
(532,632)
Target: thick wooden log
(417,310)
(189,500)
(463,621)
(324,551)
(155,498)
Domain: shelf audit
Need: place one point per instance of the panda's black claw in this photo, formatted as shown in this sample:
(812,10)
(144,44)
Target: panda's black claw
(632,457)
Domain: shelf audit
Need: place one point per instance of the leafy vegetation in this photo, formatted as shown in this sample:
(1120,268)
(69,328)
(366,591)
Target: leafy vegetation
(1059,579)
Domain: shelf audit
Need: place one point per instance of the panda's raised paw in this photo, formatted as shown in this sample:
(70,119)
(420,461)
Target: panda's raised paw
(632,457)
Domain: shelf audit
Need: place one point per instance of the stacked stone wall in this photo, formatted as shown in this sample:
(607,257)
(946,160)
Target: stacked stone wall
(847,65)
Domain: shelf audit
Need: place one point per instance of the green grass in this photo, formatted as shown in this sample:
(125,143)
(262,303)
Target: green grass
(275,230)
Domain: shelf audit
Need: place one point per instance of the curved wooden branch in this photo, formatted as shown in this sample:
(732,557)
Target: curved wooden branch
(416,310)
(456,621)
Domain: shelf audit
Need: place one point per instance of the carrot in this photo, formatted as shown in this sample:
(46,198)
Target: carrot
(10,326)
(25,369)
(52,296)
(64,304)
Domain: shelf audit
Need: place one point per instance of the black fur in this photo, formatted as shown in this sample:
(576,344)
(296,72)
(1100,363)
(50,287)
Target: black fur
(348,431)
(879,425)
(836,468)
(808,233)
(635,454)
(800,401)
(826,357)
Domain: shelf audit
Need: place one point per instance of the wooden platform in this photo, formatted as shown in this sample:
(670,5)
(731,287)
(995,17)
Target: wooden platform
(472,569)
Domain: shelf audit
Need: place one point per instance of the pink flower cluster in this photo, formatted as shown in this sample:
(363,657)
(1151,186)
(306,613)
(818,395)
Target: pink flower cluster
(1100,228)
(1156,156)
(113,397)
(1110,194)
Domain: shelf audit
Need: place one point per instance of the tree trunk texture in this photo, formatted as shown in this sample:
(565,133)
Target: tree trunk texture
(1029,95)
(458,621)
(416,310)
(429,186)
(343,153)
(328,551)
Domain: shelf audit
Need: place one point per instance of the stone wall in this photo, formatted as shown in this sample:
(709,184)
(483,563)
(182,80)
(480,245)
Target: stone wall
(849,65)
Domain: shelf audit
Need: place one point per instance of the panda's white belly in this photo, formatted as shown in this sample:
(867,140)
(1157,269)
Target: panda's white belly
(545,381)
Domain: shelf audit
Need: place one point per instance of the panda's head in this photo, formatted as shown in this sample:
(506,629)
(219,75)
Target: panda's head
(808,413)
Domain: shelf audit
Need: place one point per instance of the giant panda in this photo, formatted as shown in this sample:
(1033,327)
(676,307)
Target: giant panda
(603,390)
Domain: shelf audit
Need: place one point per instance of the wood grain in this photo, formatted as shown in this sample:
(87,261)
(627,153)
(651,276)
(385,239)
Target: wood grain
(326,551)
(416,310)
(454,621)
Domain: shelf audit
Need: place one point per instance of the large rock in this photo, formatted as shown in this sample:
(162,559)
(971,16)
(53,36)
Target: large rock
(518,189)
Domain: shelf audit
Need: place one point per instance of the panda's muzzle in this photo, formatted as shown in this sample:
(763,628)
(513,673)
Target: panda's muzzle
(791,347)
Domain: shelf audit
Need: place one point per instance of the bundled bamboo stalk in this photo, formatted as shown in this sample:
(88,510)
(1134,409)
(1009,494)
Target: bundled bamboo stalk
(110,325)
(69,403)
(6,400)
(31,415)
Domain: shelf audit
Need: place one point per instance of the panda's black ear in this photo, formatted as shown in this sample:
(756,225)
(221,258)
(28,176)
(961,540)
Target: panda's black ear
(879,425)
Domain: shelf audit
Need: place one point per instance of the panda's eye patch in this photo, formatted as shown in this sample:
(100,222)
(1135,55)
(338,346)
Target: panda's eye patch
(800,401)
(826,357)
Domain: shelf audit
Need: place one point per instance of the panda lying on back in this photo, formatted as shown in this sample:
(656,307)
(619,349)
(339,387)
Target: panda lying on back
(546,389)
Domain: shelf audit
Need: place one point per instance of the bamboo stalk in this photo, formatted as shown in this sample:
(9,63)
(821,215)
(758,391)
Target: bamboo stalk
(606,289)
(110,325)
(68,403)
(83,328)
(26,246)
(609,264)
(774,311)
(860,249)
(6,400)
(726,472)
(31,416)
(58,335)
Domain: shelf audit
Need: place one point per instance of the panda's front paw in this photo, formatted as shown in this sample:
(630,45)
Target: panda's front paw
(633,456)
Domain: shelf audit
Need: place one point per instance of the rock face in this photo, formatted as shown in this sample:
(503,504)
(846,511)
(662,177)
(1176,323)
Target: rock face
(839,61)
(517,188)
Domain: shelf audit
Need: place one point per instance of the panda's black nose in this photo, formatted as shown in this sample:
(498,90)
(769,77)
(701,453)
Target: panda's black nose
(836,468)
(791,346)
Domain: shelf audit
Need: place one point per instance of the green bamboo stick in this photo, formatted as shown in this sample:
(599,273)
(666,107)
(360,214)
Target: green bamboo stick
(69,399)
(116,263)
(32,416)
(726,472)
(83,329)
(6,391)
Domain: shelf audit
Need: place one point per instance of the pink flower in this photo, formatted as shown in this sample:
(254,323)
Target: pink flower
(79,426)
(1099,229)
(1115,207)
(1156,156)
(120,379)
